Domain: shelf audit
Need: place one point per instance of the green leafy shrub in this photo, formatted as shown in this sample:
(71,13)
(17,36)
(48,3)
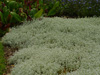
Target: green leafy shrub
(75,8)
(51,45)
(53,8)
(2,59)
(14,12)
(8,17)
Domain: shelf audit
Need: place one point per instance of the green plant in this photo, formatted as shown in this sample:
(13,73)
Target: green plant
(38,14)
(13,12)
(2,60)
(74,8)
(49,45)
(30,8)
(81,8)
(54,9)
(8,16)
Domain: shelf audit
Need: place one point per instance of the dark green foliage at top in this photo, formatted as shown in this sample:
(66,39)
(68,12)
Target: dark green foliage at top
(14,12)
(75,8)
(2,60)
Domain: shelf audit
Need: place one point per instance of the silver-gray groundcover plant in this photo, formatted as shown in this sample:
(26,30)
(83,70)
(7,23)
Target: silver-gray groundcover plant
(51,45)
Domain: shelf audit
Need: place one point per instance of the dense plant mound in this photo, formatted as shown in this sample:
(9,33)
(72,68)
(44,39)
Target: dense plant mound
(52,46)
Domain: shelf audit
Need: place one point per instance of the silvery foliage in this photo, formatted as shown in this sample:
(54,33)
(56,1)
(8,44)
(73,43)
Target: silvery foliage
(44,61)
(49,45)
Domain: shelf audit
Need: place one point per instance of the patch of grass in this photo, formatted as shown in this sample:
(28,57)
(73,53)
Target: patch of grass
(2,59)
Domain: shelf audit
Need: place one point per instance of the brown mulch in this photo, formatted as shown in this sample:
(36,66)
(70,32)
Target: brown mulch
(8,51)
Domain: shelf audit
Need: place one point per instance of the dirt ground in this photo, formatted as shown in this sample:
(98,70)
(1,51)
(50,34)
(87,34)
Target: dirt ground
(8,51)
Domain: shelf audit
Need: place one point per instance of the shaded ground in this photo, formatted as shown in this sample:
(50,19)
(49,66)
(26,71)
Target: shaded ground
(8,51)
